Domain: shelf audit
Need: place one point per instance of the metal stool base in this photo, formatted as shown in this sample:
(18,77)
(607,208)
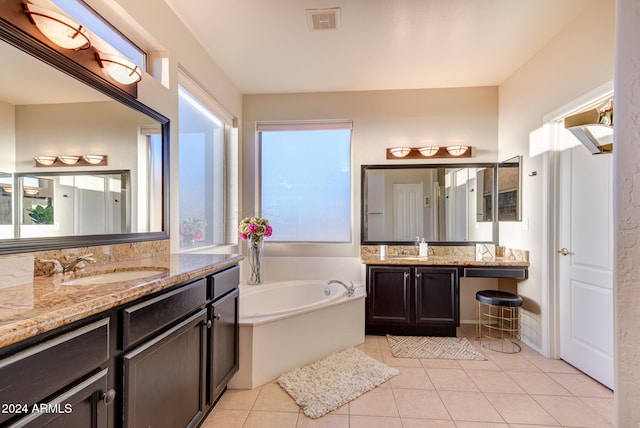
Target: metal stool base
(498,328)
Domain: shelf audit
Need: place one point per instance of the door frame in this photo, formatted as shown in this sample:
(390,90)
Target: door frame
(552,122)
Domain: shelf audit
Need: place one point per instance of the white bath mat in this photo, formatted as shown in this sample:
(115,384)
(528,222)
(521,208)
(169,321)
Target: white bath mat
(451,348)
(327,384)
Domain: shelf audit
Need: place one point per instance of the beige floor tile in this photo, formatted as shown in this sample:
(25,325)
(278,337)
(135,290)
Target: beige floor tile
(583,386)
(478,365)
(465,424)
(493,381)
(469,406)
(374,353)
(420,403)
(604,407)
(451,379)
(427,423)
(412,377)
(512,362)
(571,411)
(549,365)
(389,359)
(223,418)
(434,363)
(238,399)
(377,402)
(538,383)
(258,419)
(356,421)
(274,399)
(520,409)
(327,421)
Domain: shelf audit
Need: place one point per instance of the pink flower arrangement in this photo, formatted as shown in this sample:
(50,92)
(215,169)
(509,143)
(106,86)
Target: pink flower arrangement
(254,226)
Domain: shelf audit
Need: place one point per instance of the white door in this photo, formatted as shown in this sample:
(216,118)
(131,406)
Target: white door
(408,211)
(585,260)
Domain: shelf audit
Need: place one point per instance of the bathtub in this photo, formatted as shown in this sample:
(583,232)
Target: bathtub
(292,323)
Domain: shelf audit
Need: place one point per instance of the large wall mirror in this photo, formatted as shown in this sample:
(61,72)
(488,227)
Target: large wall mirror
(509,189)
(445,204)
(50,106)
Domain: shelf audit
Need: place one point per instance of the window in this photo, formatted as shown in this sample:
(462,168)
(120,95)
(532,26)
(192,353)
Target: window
(202,136)
(306,181)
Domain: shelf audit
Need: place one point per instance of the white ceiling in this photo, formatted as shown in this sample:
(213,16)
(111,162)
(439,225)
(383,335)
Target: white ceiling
(266,46)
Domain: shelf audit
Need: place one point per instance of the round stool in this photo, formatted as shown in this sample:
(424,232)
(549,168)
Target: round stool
(497,321)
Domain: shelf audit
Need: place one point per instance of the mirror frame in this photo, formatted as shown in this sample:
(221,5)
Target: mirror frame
(364,168)
(57,60)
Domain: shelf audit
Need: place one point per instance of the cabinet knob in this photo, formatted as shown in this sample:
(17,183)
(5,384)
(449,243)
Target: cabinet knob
(217,316)
(418,275)
(209,323)
(406,275)
(109,396)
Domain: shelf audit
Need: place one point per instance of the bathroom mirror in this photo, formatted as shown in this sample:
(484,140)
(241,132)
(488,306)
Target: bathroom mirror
(51,106)
(448,204)
(509,190)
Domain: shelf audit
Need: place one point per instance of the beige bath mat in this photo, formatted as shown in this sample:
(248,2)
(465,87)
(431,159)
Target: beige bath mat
(327,384)
(451,348)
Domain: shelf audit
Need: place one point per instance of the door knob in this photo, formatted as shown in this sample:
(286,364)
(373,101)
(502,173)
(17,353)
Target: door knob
(563,251)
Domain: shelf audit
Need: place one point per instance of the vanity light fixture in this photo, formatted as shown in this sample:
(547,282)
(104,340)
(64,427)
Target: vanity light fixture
(61,30)
(457,150)
(30,191)
(400,152)
(7,189)
(429,151)
(45,160)
(119,68)
(69,160)
(93,159)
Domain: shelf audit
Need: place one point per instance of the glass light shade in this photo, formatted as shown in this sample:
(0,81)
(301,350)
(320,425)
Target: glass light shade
(93,159)
(7,189)
(45,160)
(429,151)
(119,68)
(69,160)
(400,152)
(457,150)
(30,191)
(61,30)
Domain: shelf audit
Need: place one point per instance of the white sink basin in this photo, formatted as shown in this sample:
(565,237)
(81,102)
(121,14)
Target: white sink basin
(111,277)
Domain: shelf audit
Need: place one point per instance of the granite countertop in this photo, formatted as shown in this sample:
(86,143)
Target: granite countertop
(442,256)
(30,309)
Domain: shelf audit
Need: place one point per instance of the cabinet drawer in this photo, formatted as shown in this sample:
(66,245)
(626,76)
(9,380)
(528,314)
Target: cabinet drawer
(149,317)
(39,371)
(223,282)
(496,272)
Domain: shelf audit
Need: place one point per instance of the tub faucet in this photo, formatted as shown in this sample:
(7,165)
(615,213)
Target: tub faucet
(350,288)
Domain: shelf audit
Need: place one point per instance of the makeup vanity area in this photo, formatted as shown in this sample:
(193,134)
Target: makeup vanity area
(450,208)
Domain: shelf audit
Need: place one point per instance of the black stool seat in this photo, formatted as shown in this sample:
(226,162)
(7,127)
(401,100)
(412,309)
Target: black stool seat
(499,298)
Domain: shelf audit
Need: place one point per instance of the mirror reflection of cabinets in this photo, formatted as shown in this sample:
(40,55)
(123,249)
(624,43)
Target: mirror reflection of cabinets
(442,203)
(45,111)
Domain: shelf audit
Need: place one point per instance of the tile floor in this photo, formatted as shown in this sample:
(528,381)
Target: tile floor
(517,390)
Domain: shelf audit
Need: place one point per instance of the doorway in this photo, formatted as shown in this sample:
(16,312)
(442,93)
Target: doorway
(582,252)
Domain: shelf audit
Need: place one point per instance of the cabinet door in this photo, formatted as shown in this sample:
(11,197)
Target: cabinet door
(224,343)
(164,378)
(388,298)
(83,405)
(436,296)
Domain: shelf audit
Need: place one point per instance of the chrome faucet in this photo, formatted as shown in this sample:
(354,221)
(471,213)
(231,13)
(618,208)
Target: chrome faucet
(350,288)
(73,264)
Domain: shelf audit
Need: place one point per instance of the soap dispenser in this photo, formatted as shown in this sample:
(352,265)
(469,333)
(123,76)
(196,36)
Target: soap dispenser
(423,250)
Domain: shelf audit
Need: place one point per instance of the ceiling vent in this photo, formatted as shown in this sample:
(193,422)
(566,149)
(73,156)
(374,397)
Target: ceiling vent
(323,19)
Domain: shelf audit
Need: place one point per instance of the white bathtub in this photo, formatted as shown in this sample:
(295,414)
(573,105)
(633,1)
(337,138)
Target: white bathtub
(289,324)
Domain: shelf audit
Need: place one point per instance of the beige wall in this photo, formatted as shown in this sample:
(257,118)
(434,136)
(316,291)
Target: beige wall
(627,200)
(381,119)
(577,61)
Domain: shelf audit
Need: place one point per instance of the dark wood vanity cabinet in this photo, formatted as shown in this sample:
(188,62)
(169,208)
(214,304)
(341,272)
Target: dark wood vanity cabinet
(160,361)
(415,300)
